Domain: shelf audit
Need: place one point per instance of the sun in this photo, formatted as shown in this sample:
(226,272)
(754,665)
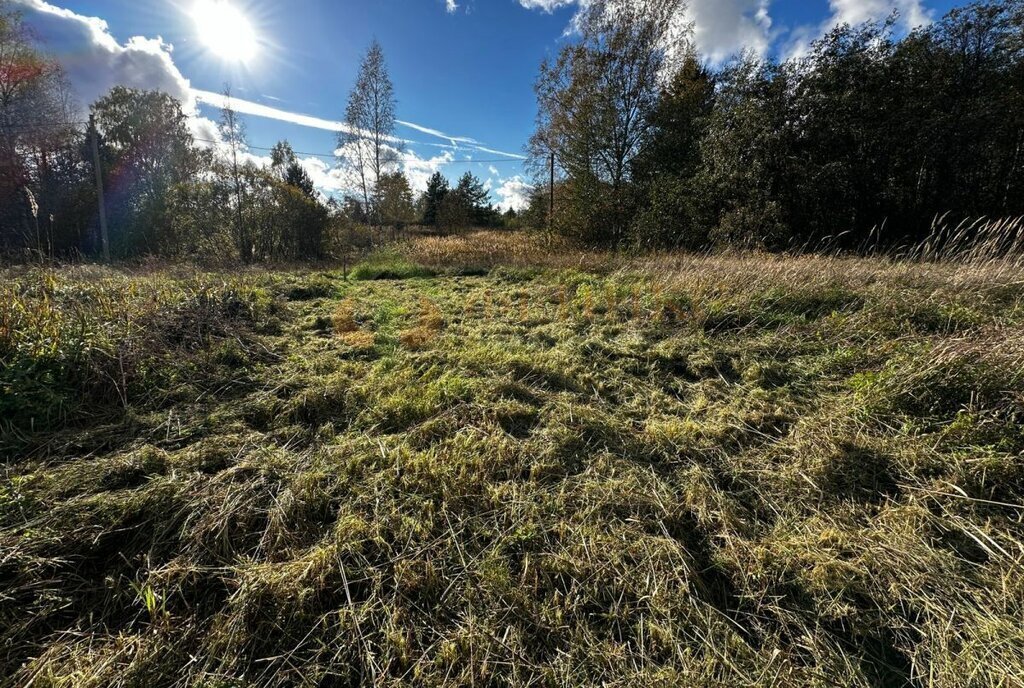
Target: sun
(225,30)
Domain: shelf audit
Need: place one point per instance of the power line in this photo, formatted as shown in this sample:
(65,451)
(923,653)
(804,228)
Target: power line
(329,156)
(334,156)
(42,127)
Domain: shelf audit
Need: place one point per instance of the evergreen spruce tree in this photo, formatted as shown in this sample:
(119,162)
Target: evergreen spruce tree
(437,189)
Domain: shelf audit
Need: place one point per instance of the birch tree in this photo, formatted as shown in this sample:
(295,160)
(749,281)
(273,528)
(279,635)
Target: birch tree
(595,100)
(368,145)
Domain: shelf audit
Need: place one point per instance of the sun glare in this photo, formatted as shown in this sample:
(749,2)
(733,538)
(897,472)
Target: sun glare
(225,30)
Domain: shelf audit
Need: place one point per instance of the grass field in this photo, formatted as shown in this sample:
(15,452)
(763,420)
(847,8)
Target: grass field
(490,462)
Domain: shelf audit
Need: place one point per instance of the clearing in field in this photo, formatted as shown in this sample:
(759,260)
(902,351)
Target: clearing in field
(479,464)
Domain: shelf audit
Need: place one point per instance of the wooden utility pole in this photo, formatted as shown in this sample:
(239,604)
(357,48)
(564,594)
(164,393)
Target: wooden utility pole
(551,196)
(104,236)
(34,209)
(233,130)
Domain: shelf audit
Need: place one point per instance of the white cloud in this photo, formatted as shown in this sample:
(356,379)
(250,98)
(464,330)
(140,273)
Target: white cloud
(545,5)
(340,178)
(454,140)
(328,179)
(484,149)
(248,107)
(95,62)
(418,170)
(450,6)
(204,130)
(911,14)
(721,28)
(335,179)
(513,193)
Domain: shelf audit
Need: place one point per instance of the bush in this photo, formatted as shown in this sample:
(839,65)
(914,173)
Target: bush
(389,265)
(670,217)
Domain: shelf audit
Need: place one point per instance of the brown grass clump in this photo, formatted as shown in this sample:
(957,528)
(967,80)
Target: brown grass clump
(358,340)
(348,329)
(429,324)
(344,318)
(417,338)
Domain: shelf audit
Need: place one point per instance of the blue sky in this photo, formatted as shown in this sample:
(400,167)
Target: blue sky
(462,69)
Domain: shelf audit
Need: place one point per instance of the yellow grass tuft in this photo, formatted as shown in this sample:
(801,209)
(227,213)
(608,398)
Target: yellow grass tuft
(359,340)
(429,324)
(344,318)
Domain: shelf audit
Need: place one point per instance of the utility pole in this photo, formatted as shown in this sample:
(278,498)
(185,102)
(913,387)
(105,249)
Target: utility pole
(231,127)
(104,236)
(34,209)
(551,196)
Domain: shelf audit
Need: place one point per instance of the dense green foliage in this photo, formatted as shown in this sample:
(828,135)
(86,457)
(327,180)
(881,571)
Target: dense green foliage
(147,147)
(563,468)
(460,208)
(866,139)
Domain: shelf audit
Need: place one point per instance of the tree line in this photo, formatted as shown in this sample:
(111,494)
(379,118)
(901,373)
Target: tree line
(867,137)
(167,194)
(163,193)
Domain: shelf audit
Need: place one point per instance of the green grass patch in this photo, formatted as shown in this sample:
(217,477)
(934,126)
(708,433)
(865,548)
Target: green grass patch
(386,265)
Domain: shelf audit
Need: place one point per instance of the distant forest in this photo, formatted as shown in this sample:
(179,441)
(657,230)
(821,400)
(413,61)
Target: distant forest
(867,138)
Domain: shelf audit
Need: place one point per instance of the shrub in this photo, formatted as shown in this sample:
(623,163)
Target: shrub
(389,266)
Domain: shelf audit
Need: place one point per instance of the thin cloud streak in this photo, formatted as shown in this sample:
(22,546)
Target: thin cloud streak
(439,134)
(515,156)
(248,107)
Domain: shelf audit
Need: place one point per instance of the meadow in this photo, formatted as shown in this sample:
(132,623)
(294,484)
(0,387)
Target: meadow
(498,461)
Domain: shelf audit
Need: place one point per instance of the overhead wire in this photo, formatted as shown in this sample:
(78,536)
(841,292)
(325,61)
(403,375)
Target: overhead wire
(330,156)
(334,156)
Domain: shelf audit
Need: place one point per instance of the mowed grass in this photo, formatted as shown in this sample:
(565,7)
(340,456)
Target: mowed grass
(494,462)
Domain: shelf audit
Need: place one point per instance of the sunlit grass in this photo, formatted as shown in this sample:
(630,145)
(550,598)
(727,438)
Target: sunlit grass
(537,467)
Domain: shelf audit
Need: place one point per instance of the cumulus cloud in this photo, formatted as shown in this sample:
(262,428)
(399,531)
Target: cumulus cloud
(450,6)
(204,130)
(721,28)
(418,170)
(328,179)
(910,13)
(95,62)
(513,193)
(333,178)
